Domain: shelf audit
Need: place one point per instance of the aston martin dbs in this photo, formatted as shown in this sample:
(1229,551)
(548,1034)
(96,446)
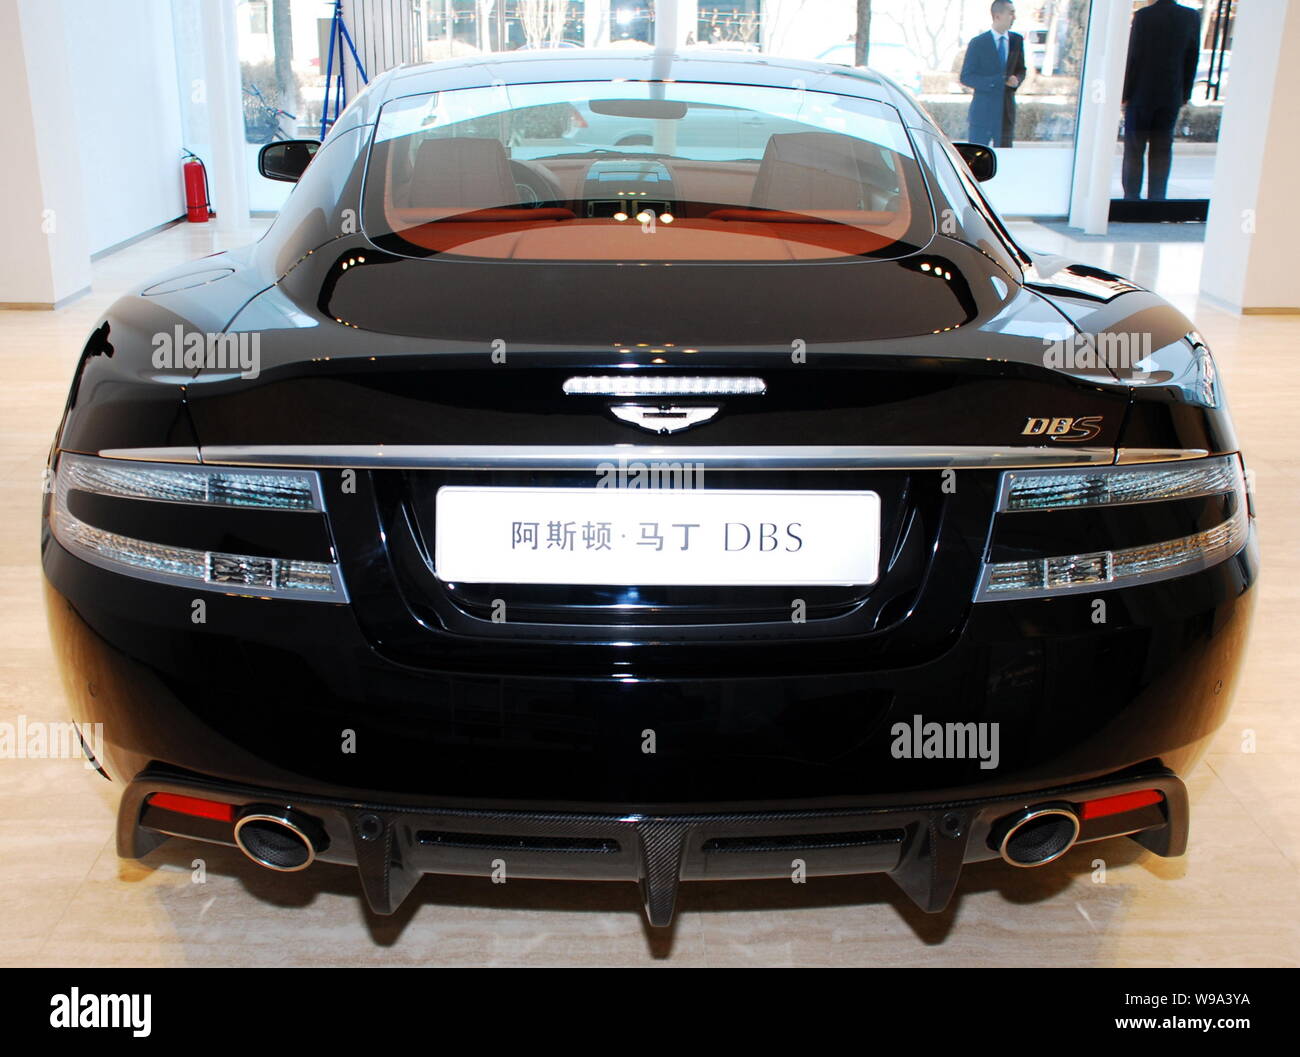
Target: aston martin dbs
(734,499)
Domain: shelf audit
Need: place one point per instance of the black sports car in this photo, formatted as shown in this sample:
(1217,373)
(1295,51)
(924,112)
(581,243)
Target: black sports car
(738,500)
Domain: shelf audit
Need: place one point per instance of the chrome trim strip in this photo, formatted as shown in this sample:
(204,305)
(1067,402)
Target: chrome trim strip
(445,455)
(1134,455)
(585,457)
(186,455)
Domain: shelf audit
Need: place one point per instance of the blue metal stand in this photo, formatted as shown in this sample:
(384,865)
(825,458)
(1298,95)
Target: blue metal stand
(339,36)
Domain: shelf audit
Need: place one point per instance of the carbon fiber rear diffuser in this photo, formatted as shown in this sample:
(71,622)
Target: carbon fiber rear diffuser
(923,848)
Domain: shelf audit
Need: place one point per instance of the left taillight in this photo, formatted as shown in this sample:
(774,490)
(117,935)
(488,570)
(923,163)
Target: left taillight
(162,502)
(1216,485)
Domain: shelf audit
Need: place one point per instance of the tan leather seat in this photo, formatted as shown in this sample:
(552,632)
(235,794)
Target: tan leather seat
(819,171)
(463,172)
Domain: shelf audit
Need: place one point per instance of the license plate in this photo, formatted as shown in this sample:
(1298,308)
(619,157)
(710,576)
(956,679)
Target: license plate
(706,537)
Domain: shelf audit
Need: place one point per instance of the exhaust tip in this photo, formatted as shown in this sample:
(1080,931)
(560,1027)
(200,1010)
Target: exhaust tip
(278,839)
(1038,836)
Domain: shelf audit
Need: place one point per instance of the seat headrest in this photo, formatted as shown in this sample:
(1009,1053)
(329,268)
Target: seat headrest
(461,171)
(814,170)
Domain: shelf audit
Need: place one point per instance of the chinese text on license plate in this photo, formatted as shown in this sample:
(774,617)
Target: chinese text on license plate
(656,536)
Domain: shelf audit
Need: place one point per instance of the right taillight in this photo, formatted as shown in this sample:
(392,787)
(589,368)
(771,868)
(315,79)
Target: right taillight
(1218,483)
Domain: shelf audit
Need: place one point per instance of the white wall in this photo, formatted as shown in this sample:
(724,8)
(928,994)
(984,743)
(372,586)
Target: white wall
(46,260)
(122,73)
(1250,233)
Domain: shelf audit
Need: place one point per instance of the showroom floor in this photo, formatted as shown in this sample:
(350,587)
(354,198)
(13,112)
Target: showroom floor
(66,899)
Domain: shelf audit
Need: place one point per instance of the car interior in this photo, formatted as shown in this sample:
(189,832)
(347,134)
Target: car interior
(806,195)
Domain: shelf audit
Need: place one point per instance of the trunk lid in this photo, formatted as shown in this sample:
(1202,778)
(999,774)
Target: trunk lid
(391,362)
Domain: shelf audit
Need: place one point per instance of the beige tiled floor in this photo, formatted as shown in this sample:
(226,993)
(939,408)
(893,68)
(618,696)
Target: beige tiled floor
(65,898)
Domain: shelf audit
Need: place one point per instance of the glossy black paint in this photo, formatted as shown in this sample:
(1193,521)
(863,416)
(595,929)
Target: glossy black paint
(983,161)
(260,693)
(545,715)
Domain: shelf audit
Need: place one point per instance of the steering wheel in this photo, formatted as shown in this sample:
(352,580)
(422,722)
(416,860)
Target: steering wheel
(535,184)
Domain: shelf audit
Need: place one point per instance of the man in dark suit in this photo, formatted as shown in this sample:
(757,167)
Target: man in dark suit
(1163,47)
(995,67)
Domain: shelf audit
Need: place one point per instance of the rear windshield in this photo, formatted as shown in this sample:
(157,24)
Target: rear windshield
(643,171)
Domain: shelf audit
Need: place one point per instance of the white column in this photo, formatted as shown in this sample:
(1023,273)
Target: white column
(47,258)
(221,91)
(1249,262)
(595,24)
(1099,114)
(665,25)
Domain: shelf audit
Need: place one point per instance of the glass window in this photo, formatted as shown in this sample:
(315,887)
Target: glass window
(1010,79)
(1173,155)
(464,27)
(732,24)
(644,171)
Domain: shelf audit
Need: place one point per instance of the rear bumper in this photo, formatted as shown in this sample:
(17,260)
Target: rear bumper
(921,846)
(289,703)
(291,695)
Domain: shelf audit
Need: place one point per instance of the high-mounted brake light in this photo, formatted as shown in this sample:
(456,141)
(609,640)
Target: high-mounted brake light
(662,385)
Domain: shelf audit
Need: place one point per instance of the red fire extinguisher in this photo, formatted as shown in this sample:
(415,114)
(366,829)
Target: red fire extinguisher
(197,206)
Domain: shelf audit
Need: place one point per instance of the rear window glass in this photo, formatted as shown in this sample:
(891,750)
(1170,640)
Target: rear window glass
(643,171)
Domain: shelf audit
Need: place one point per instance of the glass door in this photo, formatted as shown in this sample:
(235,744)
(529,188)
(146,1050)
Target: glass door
(1179,62)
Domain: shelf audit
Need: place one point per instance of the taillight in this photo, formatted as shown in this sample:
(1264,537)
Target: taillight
(272,489)
(162,499)
(1219,480)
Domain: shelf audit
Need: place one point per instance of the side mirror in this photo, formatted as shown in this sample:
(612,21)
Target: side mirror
(982,161)
(287,160)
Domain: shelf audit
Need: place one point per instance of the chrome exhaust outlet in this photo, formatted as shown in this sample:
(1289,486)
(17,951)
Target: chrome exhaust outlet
(279,838)
(1037,835)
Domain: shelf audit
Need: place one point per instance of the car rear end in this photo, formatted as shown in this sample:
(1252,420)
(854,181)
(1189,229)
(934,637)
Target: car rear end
(814,567)
(1075,629)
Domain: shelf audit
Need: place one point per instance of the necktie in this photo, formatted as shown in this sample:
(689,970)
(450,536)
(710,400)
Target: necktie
(1002,52)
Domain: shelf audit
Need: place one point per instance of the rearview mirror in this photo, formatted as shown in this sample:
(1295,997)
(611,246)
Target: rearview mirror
(982,161)
(656,109)
(287,160)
